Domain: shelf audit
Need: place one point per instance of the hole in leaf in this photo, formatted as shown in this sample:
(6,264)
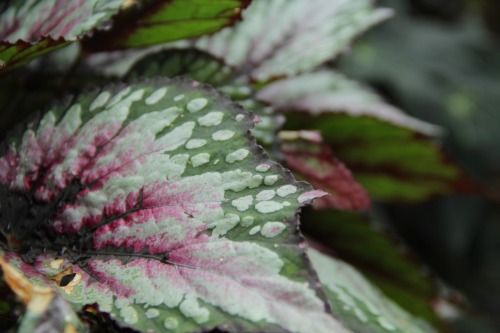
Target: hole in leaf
(65,280)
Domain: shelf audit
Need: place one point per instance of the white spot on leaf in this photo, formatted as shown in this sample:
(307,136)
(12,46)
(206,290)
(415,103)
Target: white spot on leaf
(213,118)
(100,100)
(129,315)
(270,180)
(195,143)
(238,155)
(156,96)
(262,167)
(254,230)
(152,313)
(285,190)
(200,159)
(196,104)
(265,195)
(265,207)
(272,229)
(242,203)
(170,323)
(222,135)
(247,221)
(178,97)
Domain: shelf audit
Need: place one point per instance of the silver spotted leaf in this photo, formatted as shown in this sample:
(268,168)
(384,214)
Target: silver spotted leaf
(203,67)
(153,201)
(283,38)
(361,306)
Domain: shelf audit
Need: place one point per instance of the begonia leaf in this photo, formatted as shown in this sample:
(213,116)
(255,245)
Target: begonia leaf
(150,22)
(203,67)
(382,258)
(325,91)
(152,201)
(362,306)
(282,38)
(309,158)
(30,28)
(392,163)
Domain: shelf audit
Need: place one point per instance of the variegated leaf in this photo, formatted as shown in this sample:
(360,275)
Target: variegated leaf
(282,38)
(30,28)
(205,68)
(155,201)
(327,92)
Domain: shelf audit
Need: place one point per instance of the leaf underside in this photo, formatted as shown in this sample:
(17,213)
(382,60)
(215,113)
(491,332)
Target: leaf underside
(309,158)
(152,201)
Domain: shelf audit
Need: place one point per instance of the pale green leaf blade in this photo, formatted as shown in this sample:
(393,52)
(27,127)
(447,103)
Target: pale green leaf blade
(360,305)
(164,209)
(282,38)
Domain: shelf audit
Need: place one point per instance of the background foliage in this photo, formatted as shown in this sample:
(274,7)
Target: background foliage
(412,206)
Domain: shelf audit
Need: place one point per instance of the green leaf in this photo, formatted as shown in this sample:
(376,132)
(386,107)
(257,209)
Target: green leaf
(360,305)
(154,22)
(309,158)
(29,29)
(382,258)
(153,201)
(276,40)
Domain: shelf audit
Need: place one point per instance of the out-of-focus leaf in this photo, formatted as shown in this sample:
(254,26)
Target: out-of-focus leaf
(46,311)
(151,22)
(282,38)
(309,158)
(205,68)
(392,163)
(326,91)
(28,29)
(152,201)
(360,305)
(382,259)
(13,55)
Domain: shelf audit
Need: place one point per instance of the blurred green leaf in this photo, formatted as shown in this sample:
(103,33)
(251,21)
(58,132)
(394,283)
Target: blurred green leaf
(362,307)
(382,259)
